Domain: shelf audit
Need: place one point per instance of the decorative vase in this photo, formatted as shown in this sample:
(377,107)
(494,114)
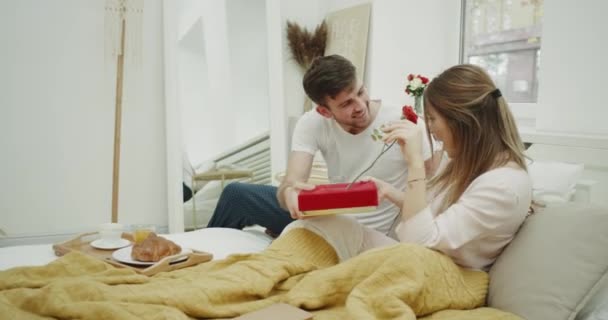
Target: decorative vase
(418,105)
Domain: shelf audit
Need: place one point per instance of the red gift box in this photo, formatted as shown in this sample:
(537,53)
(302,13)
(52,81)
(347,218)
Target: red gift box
(335,198)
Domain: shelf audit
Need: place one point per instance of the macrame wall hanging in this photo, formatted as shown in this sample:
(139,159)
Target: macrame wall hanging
(123,48)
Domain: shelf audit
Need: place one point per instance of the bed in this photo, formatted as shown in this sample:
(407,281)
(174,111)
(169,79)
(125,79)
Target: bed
(525,281)
(221,242)
(378,284)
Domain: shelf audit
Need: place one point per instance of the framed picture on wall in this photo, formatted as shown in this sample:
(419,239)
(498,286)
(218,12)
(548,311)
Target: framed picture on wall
(347,32)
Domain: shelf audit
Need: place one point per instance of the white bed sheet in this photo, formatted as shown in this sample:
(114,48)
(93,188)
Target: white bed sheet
(221,242)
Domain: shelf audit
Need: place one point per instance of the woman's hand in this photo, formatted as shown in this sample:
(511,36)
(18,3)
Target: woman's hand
(409,137)
(386,191)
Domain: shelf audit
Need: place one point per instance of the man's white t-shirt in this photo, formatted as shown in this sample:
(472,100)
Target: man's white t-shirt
(347,155)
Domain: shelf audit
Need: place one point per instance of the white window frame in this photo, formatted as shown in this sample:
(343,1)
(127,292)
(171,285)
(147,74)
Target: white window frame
(524,113)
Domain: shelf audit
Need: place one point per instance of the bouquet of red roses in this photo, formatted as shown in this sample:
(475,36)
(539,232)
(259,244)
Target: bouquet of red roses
(416,85)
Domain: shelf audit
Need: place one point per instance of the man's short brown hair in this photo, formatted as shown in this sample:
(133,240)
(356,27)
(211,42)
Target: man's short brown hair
(327,77)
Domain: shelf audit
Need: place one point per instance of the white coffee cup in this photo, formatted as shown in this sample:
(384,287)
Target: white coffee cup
(110,233)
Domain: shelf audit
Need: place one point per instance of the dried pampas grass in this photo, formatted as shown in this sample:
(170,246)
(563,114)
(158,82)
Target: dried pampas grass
(306,46)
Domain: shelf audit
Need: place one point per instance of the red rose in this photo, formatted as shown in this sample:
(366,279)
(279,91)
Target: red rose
(409,114)
(410,77)
(407,90)
(425,80)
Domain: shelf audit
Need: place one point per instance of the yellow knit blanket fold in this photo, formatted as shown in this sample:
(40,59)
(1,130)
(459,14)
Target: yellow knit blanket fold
(404,281)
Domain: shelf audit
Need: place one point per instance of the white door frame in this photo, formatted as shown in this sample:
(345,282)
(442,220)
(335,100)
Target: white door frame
(277,110)
(175,206)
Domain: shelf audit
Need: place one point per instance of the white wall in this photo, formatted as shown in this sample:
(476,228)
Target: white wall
(573,68)
(407,36)
(334,5)
(570,112)
(143,181)
(193,88)
(204,78)
(246,20)
(57,120)
(217,83)
(222,74)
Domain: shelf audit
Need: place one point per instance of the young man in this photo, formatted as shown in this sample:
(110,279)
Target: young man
(340,128)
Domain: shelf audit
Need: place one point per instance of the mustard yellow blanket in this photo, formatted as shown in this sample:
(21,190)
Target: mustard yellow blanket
(399,282)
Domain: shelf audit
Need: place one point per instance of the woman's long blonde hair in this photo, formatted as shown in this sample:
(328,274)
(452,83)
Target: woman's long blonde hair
(481,124)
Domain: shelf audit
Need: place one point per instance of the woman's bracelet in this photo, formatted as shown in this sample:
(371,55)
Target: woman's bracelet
(416,180)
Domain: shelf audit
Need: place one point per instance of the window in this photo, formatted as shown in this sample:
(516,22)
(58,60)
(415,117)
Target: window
(504,37)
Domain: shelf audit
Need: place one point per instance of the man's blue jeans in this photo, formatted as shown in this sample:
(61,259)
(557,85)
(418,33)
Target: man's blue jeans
(243,204)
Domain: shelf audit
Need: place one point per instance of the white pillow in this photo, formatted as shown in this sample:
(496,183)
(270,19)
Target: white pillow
(554,182)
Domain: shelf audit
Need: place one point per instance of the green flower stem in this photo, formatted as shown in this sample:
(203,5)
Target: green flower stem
(385,148)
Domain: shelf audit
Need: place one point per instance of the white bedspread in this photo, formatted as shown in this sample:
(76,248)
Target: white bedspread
(219,241)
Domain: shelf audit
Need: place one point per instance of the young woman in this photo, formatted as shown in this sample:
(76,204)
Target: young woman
(474,205)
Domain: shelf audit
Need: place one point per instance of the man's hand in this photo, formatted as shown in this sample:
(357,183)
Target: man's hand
(298,170)
(291,198)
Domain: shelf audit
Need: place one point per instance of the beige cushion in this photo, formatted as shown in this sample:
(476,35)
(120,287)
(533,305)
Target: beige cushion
(597,307)
(549,270)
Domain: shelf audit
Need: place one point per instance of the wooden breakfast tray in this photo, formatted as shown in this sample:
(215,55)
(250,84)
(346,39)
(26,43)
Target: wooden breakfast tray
(82,244)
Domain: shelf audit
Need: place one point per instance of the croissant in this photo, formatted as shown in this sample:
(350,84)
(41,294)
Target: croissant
(154,248)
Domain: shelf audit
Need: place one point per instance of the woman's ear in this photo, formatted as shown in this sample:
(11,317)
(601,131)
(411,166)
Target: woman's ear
(324,111)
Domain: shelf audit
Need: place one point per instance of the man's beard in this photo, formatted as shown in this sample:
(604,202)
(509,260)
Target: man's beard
(364,113)
(360,123)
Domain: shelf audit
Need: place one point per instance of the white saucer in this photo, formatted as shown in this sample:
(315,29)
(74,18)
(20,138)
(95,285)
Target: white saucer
(109,245)
(124,255)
